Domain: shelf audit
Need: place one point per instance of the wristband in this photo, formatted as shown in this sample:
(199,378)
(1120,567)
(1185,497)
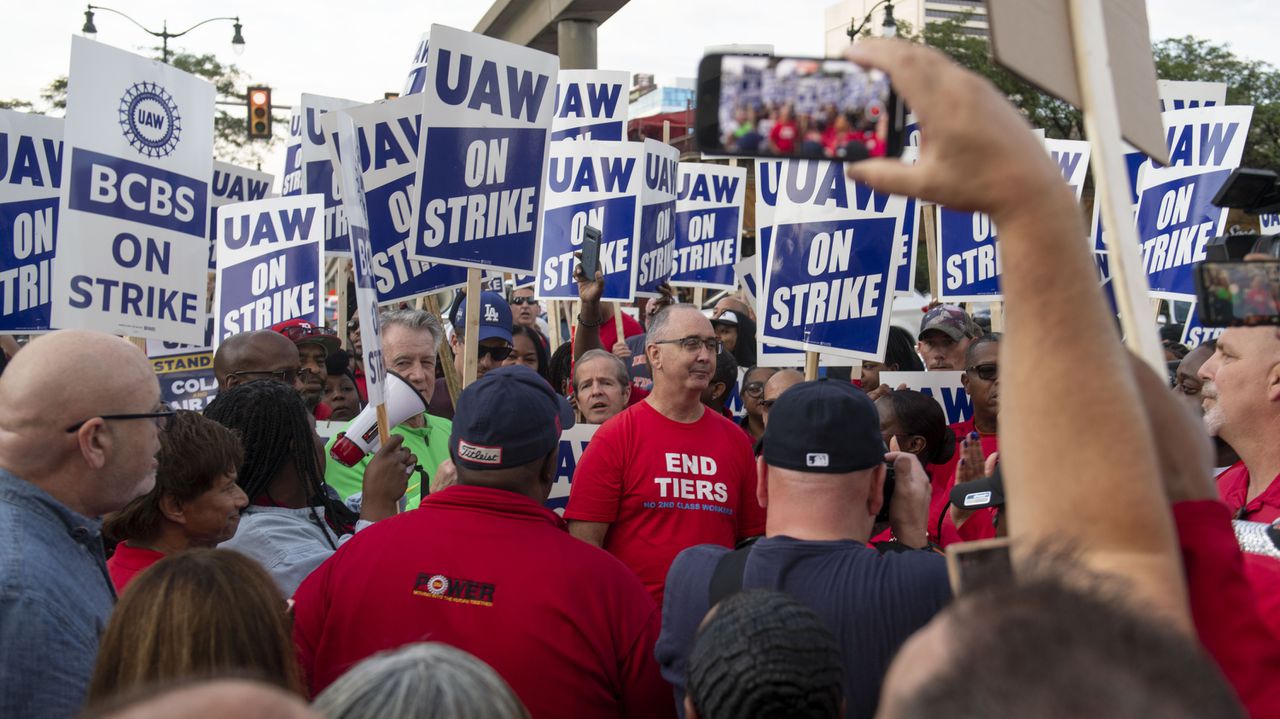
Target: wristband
(585,323)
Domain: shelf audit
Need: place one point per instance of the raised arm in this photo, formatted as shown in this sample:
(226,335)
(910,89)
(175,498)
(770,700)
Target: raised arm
(1079,457)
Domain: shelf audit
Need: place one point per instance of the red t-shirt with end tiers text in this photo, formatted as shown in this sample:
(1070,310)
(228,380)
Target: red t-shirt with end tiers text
(664,486)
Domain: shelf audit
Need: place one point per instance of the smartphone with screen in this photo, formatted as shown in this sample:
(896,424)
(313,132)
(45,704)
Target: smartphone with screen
(590,251)
(796,107)
(984,563)
(1238,294)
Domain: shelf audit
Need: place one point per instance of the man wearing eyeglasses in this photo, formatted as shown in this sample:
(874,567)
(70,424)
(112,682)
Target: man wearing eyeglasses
(261,354)
(71,451)
(981,380)
(667,473)
(494,345)
(314,344)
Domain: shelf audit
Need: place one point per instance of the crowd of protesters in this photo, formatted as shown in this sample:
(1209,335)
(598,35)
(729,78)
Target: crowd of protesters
(786,562)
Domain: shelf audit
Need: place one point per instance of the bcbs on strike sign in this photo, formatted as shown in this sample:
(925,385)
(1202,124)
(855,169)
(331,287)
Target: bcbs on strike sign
(132,251)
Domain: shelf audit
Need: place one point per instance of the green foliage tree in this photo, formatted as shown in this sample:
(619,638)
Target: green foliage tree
(1249,82)
(230,138)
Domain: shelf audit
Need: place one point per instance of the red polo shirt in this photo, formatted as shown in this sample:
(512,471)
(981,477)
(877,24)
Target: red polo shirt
(493,573)
(1233,490)
(128,561)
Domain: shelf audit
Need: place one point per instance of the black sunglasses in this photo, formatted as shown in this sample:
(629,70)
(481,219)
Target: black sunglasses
(523,301)
(497,353)
(985,372)
(281,375)
(162,418)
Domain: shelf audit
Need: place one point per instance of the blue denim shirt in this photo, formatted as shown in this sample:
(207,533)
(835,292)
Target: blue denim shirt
(55,597)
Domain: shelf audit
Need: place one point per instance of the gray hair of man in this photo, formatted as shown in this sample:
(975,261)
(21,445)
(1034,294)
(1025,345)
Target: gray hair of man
(619,367)
(414,320)
(429,680)
(658,323)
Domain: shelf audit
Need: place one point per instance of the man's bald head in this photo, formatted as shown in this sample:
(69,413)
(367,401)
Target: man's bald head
(253,355)
(80,379)
(731,303)
(213,699)
(780,382)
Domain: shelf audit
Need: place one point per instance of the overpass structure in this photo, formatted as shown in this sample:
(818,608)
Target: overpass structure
(561,27)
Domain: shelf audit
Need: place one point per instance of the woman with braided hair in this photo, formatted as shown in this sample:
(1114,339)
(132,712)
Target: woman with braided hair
(294,521)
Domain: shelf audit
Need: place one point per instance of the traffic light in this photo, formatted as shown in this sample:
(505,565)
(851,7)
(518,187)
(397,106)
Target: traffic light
(259,113)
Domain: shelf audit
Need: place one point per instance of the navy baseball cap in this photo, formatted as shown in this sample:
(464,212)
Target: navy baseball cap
(824,426)
(495,317)
(507,418)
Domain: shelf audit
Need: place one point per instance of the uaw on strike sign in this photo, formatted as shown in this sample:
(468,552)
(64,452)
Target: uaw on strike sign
(482,158)
(132,248)
(30,175)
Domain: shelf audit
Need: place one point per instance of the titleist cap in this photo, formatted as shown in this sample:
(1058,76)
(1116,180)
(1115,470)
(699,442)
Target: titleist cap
(507,418)
(825,426)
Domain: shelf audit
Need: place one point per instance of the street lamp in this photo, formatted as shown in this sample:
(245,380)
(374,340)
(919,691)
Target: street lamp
(91,31)
(888,28)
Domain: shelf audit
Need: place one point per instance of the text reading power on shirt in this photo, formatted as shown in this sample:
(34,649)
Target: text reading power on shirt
(688,487)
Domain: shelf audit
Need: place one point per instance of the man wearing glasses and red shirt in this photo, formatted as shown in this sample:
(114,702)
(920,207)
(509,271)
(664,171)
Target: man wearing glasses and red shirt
(667,473)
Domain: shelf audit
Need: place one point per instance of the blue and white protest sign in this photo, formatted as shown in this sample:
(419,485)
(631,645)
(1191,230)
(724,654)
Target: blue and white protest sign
(291,179)
(416,80)
(318,177)
(1176,216)
(904,249)
(655,252)
(1269,223)
(232,183)
(30,176)
(591,184)
(969,256)
(944,387)
(185,372)
(132,251)
(353,198)
(573,442)
(270,266)
(591,105)
(829,276)
(769,175)
(1194,333)
(387,137)
(1186,95)
(709,204)
(482,156)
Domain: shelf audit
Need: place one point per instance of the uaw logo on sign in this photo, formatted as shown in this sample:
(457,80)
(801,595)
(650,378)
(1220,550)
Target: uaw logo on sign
(149,119)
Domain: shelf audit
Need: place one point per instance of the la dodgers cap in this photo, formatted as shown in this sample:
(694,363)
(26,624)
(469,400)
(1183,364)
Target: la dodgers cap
(507,418)
(495,316)
(824,426)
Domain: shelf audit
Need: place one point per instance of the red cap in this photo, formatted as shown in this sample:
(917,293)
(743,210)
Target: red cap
(300,331)
(347,453)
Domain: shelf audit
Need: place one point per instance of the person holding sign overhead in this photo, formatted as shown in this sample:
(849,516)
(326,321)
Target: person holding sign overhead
(667,473)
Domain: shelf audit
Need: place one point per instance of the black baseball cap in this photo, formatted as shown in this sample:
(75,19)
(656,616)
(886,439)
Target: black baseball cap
(980,493)
(507,418)
(825,426)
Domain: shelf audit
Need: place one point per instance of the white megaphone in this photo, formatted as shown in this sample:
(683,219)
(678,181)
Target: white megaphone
(361,437)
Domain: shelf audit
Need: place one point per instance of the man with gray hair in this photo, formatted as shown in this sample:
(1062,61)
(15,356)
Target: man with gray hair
(601,386)
(409,341)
